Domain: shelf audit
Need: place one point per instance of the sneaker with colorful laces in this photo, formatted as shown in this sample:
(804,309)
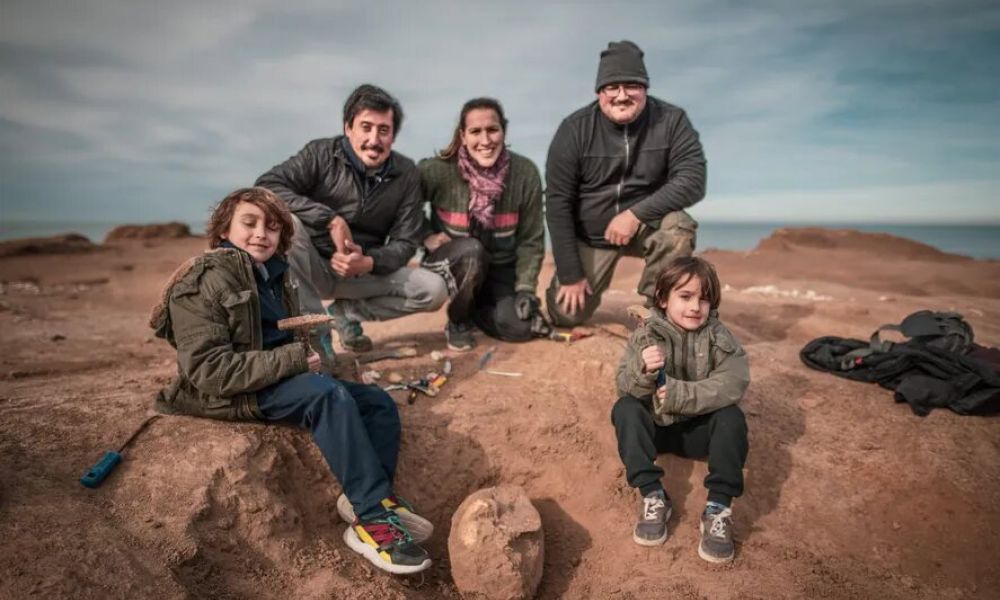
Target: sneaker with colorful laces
(717,534)
(419,527)
(651,528)
(352,336)
(386,543)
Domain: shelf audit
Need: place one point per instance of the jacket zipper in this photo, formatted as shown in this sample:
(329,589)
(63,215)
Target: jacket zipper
(621,181)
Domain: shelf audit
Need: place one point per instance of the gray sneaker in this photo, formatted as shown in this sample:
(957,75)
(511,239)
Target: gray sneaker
(459,337)
(717,535)
(654,512)
(352,337)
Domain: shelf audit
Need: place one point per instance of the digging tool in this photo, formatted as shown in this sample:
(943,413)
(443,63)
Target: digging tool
(486,357)
(378,355)
(303,326)
(99,472)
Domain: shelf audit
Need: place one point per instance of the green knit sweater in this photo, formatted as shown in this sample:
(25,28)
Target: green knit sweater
(519,236)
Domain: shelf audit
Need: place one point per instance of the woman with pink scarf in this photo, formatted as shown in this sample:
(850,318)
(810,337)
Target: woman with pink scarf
(487,235)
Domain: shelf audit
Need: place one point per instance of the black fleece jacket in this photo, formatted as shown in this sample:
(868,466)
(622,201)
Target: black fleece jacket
(596,169)
(384,210)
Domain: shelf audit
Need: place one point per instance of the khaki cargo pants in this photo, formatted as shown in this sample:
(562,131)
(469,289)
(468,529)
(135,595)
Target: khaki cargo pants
(657,246)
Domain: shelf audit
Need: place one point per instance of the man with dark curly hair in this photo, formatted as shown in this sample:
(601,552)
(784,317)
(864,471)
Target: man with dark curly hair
(357,209)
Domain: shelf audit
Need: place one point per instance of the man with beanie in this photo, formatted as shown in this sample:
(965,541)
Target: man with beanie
(620,173)
(358,215)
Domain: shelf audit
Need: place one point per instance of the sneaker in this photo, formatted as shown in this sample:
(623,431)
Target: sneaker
(419,527)
(459,337)
(387,545)
(352,337)
(717,535)
(651,529)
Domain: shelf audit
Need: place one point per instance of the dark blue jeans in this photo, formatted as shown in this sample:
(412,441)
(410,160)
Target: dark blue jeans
(355,426)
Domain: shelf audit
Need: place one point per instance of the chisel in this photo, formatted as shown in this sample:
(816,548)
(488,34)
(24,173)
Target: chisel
(96,474)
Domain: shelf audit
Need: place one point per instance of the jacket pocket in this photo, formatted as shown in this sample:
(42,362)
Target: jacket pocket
(238,316)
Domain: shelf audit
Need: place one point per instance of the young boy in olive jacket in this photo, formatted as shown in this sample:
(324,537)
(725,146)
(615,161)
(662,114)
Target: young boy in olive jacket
(679,383)
(220,311)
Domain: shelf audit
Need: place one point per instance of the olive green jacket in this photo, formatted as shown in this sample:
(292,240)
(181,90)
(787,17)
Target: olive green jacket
(210,312)
(519,234)
(706,369)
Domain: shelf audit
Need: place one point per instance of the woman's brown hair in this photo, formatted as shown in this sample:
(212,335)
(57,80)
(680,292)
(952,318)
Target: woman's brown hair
(471,105)
(274,209)
(680,270)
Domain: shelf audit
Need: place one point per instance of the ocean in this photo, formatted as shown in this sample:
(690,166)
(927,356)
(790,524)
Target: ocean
(977,241)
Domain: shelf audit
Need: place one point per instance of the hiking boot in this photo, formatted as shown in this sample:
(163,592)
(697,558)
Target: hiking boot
(321,343)
(717,535)
(651,528)
(352,337)
(419,527)
(387,544)
(459,336)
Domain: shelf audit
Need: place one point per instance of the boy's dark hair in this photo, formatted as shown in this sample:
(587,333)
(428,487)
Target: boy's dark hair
(371,97)
(476,103)
(680,270)
(274,209)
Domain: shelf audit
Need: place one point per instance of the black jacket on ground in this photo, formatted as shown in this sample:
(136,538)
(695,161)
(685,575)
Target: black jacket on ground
(922,376)
(596,169)
(384,210)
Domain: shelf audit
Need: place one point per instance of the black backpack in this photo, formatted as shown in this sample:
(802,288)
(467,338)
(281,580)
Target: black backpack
(942,330)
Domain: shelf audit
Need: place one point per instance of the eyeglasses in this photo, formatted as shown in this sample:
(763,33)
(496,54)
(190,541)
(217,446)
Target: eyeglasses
(631,89)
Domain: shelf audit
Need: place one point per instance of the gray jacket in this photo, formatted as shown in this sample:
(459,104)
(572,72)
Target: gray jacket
(706,369)
(596,169)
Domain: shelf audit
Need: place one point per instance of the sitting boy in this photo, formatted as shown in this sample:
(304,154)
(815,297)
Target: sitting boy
(220,311)
(679,382)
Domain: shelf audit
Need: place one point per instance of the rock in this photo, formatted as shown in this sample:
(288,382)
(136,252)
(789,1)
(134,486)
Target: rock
(496,545)
(69,243)
(152,231)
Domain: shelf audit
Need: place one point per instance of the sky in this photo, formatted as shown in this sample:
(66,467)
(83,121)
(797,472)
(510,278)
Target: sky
(854,111)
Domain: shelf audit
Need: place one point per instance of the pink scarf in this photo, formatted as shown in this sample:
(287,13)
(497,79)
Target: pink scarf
(485,185)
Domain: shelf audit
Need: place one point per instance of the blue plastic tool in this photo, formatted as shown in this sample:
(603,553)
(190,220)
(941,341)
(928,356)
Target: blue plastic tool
(99,472)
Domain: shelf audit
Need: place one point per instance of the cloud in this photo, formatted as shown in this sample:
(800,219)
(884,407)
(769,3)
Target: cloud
(179,103)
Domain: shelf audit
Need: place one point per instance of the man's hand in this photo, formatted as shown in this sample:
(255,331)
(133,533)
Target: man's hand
(525,305)
(572,297)
(436,240)
(351,263)
(340,234)
(652,358)
(314,362)
(622,228)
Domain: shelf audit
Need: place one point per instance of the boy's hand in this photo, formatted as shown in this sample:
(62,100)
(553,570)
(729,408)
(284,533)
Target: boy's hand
(314,362)
(652,358)
(661,393)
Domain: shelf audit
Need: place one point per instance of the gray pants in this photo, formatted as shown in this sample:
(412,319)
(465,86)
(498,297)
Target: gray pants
(365,297)
(657,246)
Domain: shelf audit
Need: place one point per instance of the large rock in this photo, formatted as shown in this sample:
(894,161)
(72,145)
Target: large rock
(496,545)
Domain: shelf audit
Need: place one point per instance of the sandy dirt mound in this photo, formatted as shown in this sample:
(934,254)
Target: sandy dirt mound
(793,238)
(154,231)
(67,243)
(849,495)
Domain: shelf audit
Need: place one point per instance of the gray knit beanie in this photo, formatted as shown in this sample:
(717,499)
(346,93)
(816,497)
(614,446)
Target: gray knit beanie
(621,63)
